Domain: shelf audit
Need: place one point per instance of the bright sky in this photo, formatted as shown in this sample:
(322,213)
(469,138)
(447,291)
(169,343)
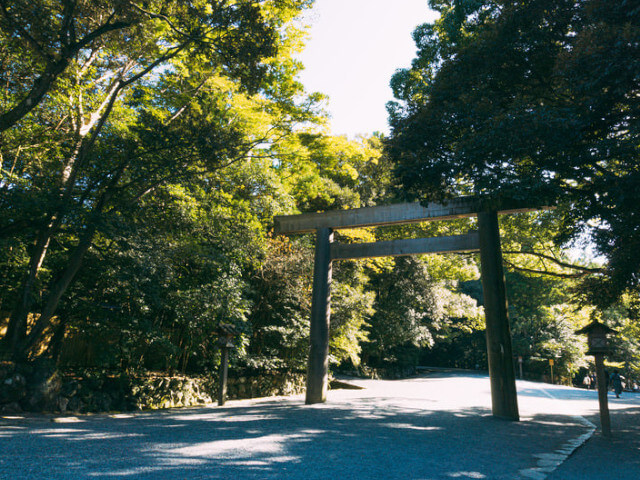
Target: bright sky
(355,47)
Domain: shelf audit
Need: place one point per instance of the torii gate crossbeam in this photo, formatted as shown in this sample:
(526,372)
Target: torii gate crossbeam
(486,240)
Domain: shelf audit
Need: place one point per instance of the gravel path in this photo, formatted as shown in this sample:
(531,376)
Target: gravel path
(437,426)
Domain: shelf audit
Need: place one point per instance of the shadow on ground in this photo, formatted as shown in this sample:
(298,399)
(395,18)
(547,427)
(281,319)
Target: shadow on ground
(361,439)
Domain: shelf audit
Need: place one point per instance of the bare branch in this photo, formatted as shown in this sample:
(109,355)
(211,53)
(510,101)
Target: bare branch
(159,16)
(186,105)
(546,272)
(561,263)
(53,69)
(172,52)
(98,32)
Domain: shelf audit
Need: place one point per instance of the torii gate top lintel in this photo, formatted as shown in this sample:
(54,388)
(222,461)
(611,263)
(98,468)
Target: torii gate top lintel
(393,214)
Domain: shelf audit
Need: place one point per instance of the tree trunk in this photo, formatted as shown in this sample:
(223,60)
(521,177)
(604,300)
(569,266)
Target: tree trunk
(55,294)
(55,345)
(17,328)
(40,87)
(15,339)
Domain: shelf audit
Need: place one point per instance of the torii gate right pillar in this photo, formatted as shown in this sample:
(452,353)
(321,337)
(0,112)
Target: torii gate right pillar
(504,400)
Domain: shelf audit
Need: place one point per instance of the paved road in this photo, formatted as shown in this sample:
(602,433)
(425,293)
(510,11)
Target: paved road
(437,426)
(605,459)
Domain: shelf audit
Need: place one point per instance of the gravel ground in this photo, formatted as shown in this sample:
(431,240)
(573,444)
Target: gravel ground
(437,426)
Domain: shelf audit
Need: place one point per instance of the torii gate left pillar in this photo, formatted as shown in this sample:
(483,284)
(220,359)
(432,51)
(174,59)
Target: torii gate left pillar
(318,362)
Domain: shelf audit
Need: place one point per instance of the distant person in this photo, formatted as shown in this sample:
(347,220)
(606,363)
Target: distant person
(616,382)
(587,381)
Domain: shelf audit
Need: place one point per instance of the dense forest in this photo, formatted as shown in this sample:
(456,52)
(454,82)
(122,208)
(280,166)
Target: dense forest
(145,148)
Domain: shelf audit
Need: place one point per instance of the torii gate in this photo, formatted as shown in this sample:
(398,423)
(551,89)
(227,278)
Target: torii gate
(487,240)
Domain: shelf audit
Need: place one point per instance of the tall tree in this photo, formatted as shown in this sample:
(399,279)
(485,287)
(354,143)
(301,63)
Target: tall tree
(531,100)
(143,105)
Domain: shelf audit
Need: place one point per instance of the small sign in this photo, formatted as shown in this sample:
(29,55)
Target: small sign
(519,359)
(551,362)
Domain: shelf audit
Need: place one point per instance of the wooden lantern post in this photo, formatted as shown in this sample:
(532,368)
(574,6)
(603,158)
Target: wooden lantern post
(599,347)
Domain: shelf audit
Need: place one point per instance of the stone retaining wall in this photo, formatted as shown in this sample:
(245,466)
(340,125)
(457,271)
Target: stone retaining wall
(386,373)
(26,388)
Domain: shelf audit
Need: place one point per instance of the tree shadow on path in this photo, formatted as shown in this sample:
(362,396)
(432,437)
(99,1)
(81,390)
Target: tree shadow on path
(360,439)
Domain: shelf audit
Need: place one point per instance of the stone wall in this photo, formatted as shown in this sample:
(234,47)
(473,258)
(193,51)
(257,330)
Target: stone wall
(386,373)
(38,388)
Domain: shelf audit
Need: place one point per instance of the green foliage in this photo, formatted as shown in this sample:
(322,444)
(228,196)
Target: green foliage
(530,100)
(324,172)
(352,306)
(138,190)
(623,317)
(281,296)
(414,308)
(147,178)
(169,276)
(543,321)
(142,116)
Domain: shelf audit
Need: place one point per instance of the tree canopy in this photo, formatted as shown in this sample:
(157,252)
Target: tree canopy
(530,100)
(130,98)
(146,146)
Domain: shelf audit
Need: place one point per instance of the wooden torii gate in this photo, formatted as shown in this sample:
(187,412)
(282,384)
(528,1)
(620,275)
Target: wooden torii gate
(487,240)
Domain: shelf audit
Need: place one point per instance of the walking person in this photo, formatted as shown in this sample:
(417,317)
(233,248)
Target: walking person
(616,382)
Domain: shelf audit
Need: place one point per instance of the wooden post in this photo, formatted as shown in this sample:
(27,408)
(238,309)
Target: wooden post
(603,400)
(504,400)
(224,369)
(318,366)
